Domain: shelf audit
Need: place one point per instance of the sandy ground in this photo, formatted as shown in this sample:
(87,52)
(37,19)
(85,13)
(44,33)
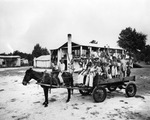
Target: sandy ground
(18,102)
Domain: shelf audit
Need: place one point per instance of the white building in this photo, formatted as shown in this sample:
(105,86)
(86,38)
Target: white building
(10,61)
(43,61)
(24,62)
(72,49)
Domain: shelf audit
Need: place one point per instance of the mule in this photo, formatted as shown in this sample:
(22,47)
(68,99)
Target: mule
(46,78)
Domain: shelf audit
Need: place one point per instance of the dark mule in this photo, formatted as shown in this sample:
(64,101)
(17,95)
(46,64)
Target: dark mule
(46,78)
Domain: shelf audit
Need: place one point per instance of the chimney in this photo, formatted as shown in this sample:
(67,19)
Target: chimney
(69,37)
(69,44)
(69,56)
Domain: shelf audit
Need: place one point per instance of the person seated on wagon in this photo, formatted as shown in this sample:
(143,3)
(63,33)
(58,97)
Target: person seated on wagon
(55,72)
(83,72)
(61,69)
(101,72)
(109,76)
(123,66)
(105,60)
(98,68)
(129,66)
(71,67)
(108,69)
(114,67)
(91,72)
(118,67)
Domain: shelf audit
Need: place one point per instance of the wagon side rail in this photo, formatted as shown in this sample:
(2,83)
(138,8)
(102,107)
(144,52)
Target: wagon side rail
(116,80)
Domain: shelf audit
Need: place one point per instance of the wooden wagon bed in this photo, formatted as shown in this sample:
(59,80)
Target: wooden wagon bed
(99,91)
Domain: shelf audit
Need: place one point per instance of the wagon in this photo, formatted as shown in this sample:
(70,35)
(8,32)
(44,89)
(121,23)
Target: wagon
(101,85)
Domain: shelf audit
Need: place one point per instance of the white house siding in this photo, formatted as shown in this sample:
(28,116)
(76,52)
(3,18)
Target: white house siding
(18,62)
(1,62)
(24,62)
(42,61)
(43,64)
(10,61)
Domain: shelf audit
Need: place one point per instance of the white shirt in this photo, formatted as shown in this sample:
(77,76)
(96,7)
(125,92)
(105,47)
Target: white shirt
(55,66)
(61,67)
(123,62)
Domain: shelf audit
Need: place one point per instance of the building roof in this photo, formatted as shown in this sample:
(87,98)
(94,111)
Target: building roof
(43,57)
(9,57)
(82,43)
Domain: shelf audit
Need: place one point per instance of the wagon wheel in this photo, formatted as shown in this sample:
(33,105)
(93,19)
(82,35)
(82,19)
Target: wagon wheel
(99,94)
(130,90)
(85,91)
(111,88)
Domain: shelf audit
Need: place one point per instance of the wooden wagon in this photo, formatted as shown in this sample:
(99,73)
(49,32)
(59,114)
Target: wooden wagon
(100,86)
(99,90)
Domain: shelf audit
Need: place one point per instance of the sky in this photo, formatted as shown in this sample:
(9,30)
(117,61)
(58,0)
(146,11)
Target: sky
(24,23)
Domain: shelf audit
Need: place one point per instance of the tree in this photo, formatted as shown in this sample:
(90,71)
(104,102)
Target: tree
(132,41)
(94,42)
(38,51)
(44,51)
(147,55)
(29,57)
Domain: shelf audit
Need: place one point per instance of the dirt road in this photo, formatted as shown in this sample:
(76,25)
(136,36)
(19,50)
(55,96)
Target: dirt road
(18,102)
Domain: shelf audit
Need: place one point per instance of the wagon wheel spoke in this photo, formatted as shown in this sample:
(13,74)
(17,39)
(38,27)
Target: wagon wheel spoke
(131,90)
(99,94)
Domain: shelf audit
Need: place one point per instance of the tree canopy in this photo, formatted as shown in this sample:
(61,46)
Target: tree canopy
(27,56)
(132,41)
(38,51)
(147,54)
(94,42)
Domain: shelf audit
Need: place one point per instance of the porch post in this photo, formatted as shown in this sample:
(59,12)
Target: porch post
(90,49)
(80,51)
(59,55)
(50,59)
(69,57)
